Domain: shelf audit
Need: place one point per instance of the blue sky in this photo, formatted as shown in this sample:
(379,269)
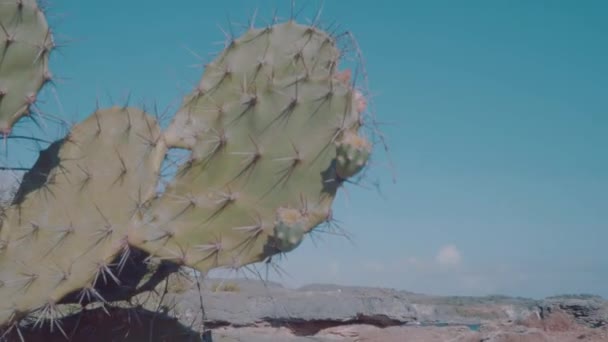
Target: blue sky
(496,118)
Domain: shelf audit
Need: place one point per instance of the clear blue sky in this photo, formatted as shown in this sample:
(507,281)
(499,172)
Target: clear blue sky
(498,130)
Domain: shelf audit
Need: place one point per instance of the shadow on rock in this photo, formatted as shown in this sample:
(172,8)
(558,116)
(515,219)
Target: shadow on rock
(111,324)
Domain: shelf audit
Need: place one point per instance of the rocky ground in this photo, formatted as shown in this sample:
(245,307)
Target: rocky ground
(251,311)
(248,310)
(338,313)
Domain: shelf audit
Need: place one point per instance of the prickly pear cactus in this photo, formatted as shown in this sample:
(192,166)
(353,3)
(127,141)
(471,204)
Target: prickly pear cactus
(273,131)
(25,45)
(70,217)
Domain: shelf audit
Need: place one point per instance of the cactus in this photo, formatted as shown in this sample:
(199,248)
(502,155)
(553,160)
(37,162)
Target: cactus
(263,127)
(26,43)
(70,217)
(273,133)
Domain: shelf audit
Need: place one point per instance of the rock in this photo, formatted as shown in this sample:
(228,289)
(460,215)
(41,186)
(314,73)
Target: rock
(9,183)
(303,309)
(250,311)
(414,334)
(345,313)
(591,311)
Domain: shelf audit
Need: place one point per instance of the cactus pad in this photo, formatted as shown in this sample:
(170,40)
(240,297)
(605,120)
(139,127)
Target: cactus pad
(70,217)
(25,45)
(262,127)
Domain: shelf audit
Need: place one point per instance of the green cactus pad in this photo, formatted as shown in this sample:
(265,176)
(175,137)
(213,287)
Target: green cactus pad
(25,45)
(71,215)
(262,127)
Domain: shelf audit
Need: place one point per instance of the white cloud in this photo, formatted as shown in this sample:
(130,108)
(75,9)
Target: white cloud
(449,255)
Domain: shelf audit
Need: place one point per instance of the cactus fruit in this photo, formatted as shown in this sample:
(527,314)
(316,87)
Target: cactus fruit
(262,127)
(70,218)
(289,229)
(26,43)
(352,154)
